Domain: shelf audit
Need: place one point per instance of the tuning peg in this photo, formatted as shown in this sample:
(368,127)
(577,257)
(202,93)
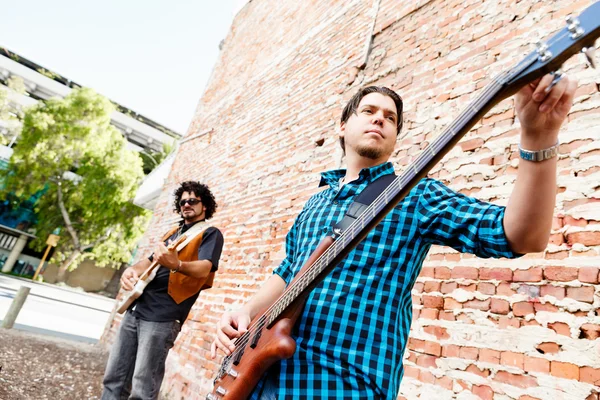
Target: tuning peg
(574,26)
(558,74)
(590,55)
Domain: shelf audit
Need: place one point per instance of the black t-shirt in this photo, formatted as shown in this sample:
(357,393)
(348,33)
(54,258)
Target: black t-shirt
(155,304)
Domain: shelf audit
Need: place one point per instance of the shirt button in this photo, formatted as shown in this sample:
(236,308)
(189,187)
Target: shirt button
(335,203)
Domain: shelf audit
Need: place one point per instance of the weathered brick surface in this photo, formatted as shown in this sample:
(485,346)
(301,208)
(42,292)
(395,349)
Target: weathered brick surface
(266,126)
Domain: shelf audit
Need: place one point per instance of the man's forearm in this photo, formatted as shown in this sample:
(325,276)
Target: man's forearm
(266,296)
(528,218)
(196,269)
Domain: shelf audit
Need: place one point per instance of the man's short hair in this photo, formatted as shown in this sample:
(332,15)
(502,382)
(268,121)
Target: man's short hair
(353,103)
(201,191)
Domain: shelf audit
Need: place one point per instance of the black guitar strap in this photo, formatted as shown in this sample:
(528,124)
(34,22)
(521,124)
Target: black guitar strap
(362,201)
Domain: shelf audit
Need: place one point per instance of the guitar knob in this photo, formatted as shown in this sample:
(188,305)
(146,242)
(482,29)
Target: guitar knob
(233,373)
(221,391)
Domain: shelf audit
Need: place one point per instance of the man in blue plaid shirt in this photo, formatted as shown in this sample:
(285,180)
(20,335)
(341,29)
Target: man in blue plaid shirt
(354,328)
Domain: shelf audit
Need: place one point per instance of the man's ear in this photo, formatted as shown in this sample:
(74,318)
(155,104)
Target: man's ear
(342,130)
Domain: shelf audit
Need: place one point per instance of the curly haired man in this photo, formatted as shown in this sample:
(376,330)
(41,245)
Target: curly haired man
(136,364)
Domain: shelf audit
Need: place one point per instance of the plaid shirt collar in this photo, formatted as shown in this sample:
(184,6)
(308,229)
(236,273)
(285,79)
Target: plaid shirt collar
(332,177)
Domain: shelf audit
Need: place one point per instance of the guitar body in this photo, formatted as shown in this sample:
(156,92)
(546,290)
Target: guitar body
(144,280)
(274,345)
(137,291)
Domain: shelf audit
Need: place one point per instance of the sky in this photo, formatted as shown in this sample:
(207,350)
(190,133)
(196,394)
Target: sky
(152,56)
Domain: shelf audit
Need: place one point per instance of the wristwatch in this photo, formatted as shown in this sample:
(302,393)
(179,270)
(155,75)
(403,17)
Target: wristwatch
(539,155)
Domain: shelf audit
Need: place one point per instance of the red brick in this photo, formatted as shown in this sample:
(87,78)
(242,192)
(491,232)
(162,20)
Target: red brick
(561,328)
(526,397)
(522,381)
(587,238)
(430,301)
(590,331)
(499,274)
(429,313)
(505,322)
(547,307)
(427,272)
(584,294)
(560,274)
(482,305)
(427,361)
(548,348)
(471,144)
(554,291)
(426,377)
(416,344)
(451,304)
(433,348)
(512,359)
(590,375)
(431,286)
(499,306)
(504,289)
(474,369)
(589,274)
(438,331)
(534,364)
(469,353)
(489,356)
(486,288)
(522,309)
(447,316)
(450,350)
(445,382)
(448,287)
(564,370)
(528,275)
(465,273)
(442,273)
(483,392)
(411,372)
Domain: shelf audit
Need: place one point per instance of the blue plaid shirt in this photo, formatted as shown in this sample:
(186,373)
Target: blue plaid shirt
(354,329)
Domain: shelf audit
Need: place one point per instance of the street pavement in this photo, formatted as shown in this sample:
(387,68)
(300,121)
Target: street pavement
(57,311)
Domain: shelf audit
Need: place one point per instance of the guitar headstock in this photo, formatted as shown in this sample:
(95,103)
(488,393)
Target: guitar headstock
(580,34)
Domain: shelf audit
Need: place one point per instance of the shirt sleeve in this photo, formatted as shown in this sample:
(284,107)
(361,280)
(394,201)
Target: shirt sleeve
(464,223)
(211,247)
(284,269)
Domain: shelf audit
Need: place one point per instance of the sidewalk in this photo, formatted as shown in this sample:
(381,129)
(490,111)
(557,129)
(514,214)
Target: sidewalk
(57,311)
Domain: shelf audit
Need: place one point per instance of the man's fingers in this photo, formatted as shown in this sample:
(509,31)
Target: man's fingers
(554,95)
(539,94)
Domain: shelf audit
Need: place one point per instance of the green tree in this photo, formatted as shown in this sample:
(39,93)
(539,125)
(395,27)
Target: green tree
(10,116)
(69,150)
(151,159)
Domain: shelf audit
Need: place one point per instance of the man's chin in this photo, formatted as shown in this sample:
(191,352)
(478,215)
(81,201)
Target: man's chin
(372,153)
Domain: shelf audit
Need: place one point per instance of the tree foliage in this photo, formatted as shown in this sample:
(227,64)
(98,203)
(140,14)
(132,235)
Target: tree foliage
(10,116)
(69,150)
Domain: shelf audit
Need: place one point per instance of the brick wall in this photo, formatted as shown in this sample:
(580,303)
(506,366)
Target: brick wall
(266,126)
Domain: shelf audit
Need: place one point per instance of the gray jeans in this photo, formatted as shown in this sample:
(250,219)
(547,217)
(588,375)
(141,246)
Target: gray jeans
(136,364)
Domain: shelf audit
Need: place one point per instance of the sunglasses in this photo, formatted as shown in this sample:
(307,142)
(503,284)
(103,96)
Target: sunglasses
(191,202)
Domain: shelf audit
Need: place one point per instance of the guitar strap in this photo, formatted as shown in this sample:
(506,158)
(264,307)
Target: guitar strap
(191,233)
(363,200)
